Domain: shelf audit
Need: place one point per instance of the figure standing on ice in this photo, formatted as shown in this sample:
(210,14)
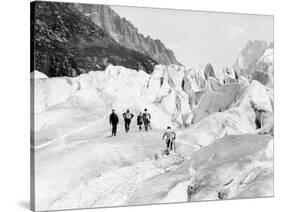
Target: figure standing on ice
(170,136)
(259,115)
(127,119)
(113,120)
(140,120)
(146,119)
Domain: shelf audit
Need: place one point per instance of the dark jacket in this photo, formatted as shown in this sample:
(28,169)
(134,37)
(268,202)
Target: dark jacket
(139,120)
(146,116)
(113,119)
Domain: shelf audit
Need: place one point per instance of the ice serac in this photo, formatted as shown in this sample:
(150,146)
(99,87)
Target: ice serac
(96,93)
(164,88)
(217,97)
(126,34)
(239,118)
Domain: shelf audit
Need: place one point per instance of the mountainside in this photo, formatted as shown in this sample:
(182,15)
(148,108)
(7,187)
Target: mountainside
(266,61)
(249,60)
(66,43)
(256,62)
(126,34)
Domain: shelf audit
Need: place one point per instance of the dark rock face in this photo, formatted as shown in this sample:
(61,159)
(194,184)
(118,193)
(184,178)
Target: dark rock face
(126,34)
(67,43)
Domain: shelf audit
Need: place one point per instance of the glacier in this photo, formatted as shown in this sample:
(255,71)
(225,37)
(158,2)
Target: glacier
(220,151)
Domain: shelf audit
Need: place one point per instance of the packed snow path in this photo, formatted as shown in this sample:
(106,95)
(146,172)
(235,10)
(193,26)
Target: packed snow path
(122,170)
(88,171)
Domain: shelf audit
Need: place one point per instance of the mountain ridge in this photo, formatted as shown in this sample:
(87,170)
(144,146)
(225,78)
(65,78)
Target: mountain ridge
(67,43)
(126,34)
(248,59)
(255,62)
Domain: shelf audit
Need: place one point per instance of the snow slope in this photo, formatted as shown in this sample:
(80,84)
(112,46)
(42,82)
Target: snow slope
(77,163)
(91,96)
(236,165)
(66,173)
(233,167)
(37,74)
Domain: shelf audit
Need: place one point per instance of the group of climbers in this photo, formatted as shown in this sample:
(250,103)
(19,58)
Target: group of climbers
(143,119)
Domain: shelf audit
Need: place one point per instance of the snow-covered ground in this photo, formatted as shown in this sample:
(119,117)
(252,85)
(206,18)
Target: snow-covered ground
(78,164)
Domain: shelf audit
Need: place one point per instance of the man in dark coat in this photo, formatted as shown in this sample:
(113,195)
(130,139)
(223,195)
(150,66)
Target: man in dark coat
(146,119)
(113,120)
(139,120)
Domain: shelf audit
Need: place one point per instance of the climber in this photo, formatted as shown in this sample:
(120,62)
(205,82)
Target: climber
(127,119)
(170,137)
(146,119)
(191,190)
(140,120)
(113,120)
(259,115)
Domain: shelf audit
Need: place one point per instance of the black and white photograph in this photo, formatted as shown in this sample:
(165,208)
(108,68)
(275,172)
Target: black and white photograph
(136,106)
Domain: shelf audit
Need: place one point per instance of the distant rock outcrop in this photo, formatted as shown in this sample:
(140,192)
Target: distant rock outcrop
(249,56)
(67,43)
(256,62)
(126,34)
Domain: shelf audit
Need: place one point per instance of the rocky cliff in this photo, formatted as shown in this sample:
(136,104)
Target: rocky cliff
(256,62)
(126,34)
(66,43)
(249,58)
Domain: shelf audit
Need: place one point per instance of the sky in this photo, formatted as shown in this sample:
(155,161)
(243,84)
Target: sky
(200,37)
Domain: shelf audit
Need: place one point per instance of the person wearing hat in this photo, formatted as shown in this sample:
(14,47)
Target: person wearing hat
(169,136)
(113,120)
(140,120)
(146,119)
(127,119)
